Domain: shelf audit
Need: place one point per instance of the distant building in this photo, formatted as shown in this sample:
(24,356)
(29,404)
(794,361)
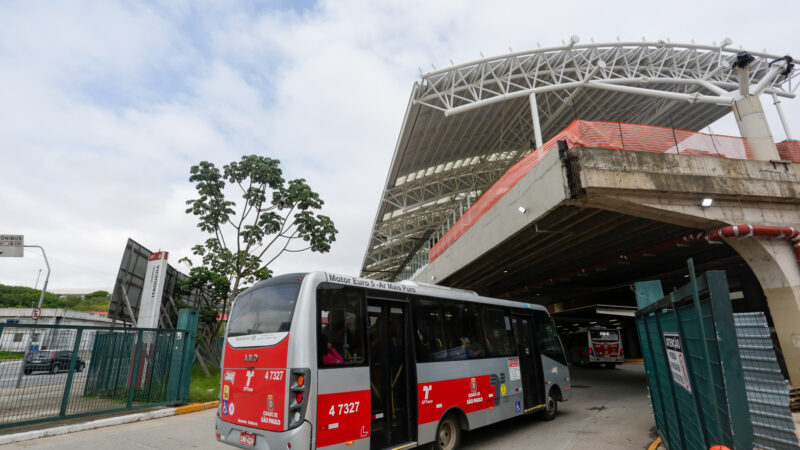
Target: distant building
(14,339)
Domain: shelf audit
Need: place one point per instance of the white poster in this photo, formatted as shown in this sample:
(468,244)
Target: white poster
(150,303)
(513,369)
(677,363)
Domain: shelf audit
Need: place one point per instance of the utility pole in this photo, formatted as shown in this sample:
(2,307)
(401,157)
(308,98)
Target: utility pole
(41,299)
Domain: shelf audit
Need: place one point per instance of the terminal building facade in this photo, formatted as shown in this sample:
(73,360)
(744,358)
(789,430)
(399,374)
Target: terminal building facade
(563,175)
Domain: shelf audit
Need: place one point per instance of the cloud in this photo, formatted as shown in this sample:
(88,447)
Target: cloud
(105,106)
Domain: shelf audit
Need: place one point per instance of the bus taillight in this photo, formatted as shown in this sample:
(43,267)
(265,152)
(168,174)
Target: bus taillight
(298,387)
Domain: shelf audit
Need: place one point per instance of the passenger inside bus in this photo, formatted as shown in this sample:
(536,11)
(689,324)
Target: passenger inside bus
(330,357)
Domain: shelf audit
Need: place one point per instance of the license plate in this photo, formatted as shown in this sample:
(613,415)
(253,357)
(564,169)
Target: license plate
(247,439)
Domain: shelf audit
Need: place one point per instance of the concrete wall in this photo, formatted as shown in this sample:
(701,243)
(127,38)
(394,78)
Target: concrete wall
(541,190)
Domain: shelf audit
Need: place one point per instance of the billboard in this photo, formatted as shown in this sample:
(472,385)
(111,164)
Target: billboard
(132,275)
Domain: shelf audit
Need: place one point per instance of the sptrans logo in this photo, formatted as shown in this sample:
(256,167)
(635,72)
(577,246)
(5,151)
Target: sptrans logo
(473,385)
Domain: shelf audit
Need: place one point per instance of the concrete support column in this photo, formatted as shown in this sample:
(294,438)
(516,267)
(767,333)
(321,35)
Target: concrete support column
(778,272)
(753,125)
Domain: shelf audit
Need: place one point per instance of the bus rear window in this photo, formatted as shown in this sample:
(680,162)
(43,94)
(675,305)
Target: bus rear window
(604,335)
(264,310)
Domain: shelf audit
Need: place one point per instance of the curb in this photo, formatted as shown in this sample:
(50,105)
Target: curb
(194,407)
(654,445)
(100,423)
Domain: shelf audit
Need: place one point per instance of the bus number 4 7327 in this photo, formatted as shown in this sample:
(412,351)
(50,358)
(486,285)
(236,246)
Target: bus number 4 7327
(344,408)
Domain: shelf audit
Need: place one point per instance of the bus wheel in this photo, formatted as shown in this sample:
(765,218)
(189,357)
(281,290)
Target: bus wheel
(448,435)
(550,407)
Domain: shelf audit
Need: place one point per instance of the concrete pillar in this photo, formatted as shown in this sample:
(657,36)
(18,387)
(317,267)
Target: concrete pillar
(753,125)
(778,272)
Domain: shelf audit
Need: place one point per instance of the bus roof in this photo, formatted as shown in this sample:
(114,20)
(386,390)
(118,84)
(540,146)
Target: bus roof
(412,287)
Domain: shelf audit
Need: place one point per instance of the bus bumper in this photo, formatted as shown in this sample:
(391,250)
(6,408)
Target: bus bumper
(300,437)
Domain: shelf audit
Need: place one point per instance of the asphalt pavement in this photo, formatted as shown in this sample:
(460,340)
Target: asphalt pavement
(609,410)
(9,371)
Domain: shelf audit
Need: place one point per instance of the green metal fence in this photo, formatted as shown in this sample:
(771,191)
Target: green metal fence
(50,372)
(692,361)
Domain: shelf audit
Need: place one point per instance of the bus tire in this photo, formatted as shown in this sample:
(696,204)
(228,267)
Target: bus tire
(550,407)
(448,434)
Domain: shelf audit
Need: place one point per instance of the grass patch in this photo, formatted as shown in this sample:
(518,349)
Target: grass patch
(203,388)
(12,355)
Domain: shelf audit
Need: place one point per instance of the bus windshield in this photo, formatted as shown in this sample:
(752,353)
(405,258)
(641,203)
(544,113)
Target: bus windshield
(604,335)
(264,310)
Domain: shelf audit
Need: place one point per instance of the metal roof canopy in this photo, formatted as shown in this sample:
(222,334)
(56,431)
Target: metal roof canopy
(467,124)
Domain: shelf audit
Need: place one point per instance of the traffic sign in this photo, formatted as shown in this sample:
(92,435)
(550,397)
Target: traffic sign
(12,245)
(36,313)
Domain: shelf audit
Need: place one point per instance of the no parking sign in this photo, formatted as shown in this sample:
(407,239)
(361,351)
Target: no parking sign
(36,313)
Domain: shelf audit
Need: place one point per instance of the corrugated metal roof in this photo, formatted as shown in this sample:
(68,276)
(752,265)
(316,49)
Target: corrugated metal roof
(767,389)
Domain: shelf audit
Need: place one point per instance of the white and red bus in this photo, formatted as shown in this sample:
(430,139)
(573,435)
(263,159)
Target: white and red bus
(320,360)
(595,346)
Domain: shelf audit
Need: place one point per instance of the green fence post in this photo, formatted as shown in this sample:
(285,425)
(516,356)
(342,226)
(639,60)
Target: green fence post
(730,359)
(137,350)
(647,293)
(709,371)
(187,322)
(68,387)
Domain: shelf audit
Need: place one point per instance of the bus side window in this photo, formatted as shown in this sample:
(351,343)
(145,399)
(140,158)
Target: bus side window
(472,331)
(454,342)
(547,337)
(340,325)
(498,328)
(429,330)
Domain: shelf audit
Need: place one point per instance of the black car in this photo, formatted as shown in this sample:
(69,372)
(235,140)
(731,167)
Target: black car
(51,361)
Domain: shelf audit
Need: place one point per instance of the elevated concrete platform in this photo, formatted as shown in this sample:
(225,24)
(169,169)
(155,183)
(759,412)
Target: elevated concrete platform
(594,220)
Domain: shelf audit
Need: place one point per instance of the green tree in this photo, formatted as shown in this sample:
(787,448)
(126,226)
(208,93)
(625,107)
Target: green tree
(273,216)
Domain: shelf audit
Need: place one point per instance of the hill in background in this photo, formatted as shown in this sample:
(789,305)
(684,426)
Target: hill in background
(25,297)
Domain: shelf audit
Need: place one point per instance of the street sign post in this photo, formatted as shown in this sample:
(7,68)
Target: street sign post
(12,245)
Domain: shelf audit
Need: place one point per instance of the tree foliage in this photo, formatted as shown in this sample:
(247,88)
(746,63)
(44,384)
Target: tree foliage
(25,297)
(246,236)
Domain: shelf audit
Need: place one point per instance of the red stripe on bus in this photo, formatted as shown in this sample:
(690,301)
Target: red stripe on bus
(470,394)
(273,357)
(342,417)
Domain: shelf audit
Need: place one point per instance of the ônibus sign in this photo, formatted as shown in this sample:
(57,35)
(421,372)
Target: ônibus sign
(11,245)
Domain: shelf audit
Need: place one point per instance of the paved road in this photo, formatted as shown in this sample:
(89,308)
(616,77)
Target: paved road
(9,371)
(609,410)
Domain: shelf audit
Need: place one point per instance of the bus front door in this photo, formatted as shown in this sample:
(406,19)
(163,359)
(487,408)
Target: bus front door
(389,374)
(530,363)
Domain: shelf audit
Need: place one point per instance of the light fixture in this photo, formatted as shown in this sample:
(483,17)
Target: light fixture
(706,202)
(523,209)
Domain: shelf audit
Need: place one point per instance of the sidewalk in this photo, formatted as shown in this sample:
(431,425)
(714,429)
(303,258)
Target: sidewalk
(37,432)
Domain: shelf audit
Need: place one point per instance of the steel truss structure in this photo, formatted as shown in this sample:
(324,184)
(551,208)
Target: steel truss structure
(467,124)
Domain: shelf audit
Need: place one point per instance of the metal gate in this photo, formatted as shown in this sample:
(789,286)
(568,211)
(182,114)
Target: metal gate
(692,361)
(50,372)
(713,375)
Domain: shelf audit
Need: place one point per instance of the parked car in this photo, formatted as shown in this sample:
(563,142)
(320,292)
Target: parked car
(51,361)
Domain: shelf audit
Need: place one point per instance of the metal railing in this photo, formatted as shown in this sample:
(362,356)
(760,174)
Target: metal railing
(73,371)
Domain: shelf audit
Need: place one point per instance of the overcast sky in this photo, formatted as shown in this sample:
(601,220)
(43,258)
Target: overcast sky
(105,105)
